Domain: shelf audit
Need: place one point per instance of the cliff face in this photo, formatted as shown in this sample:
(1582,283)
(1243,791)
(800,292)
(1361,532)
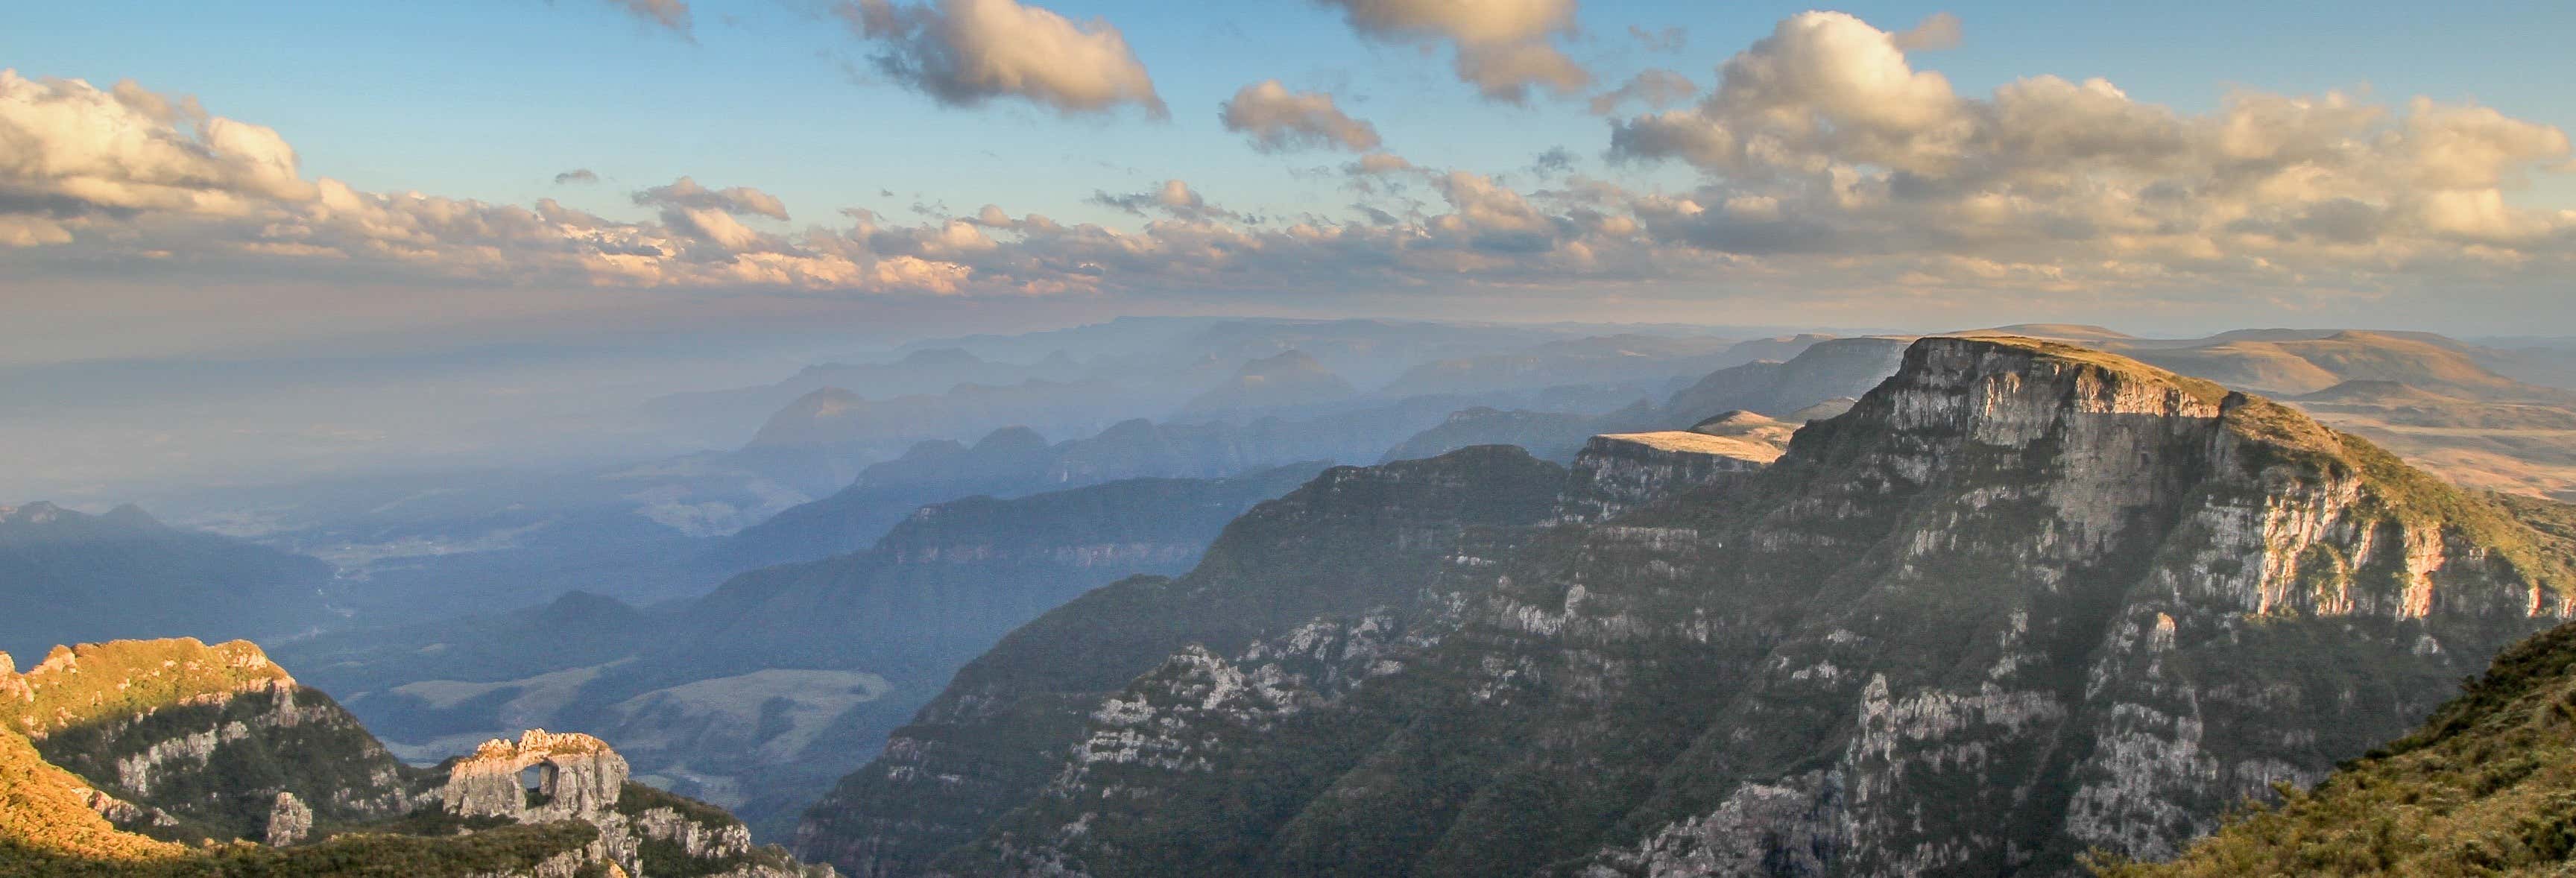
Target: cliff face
(2021,601)
(1617,472)
(2500,759)
(112,751)
(1352,539)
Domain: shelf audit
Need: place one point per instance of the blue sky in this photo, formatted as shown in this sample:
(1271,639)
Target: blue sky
(492,98)
(486,101)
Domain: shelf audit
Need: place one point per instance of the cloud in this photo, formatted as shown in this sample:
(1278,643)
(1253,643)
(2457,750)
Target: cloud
(1828,168)
(1670,39)
(1174,197)
(1937,31)
(673,14)
(576,175)
(1277,119)
(1655,87)
(1502,46)
(1380,163)
(1825,136)
(963,53)
(76,151)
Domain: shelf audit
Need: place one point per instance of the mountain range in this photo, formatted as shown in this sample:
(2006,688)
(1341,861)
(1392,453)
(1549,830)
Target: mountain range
(2022,601)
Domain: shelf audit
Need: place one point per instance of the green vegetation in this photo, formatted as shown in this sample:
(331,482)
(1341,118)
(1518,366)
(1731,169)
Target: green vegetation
(2486,787)
(94,681)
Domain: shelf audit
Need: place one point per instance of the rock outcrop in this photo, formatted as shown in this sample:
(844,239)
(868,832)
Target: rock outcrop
(578,778)
(1618,471)
(218,746)
(2024,600)
(289,821)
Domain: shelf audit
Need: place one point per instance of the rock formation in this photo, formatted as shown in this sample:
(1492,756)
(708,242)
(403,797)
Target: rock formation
(1618,471)
(289,821)
(2022,601)
(218,745)
(579,778)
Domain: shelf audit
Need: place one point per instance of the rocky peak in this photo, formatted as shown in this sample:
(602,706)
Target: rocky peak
(579,778)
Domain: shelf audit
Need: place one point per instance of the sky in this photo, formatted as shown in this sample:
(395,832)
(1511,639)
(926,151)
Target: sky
(243,179)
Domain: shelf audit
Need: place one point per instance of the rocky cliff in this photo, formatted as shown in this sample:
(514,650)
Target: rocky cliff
(113,751)
(1617,472)
(2022,601)
(2499,761)
(1349,541)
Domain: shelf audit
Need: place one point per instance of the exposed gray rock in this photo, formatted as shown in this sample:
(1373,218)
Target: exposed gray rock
(289,821)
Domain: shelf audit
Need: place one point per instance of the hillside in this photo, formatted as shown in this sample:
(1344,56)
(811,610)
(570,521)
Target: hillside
(2486,787)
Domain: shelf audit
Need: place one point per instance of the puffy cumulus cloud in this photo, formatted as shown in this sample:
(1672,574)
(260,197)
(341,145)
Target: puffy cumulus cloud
(576,175)
(75,152)
(1824,138)
(1277,119)
(673,14)
(966,52)
(1503,46)
(129,176)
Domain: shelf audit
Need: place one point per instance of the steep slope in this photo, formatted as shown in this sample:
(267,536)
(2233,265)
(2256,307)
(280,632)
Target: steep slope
(1352,540)
(74,577)
(2486,787)
(219,746)
(2022,601)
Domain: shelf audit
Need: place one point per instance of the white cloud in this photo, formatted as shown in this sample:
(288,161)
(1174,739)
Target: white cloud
(1857,152)
(1277,119)
(1503,46)
(965,52)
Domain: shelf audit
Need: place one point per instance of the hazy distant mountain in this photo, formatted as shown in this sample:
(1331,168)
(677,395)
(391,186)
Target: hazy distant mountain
(1822,371)
(1613,359)
(2297,366)
(760,693)
(1551,436)
(927,371)
(1016,461)
(68,577)
(1807,386)
(1288,382)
